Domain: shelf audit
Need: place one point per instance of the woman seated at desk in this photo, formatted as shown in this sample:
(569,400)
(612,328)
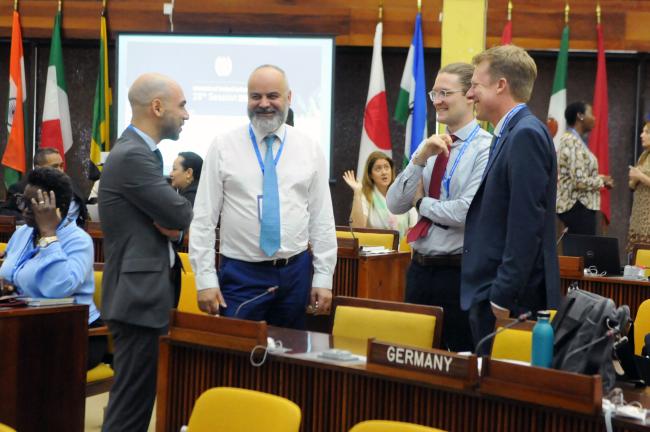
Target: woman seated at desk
(49,256)
(369,208)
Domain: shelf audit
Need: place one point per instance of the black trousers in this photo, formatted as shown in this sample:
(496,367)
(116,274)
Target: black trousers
(440,286)
(579,219)
(482,320)
(135,361)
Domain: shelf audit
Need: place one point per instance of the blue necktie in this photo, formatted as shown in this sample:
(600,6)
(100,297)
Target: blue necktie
(270,230)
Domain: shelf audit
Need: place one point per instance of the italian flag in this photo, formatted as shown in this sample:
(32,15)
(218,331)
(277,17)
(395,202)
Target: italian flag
(13,158)
(100,138)
(375,135)
(556,122)
(411,106)
(55,130)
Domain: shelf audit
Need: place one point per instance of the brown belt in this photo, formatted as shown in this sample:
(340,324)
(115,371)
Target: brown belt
(437,260)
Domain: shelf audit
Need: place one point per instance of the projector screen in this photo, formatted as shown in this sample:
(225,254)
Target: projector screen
(213,72)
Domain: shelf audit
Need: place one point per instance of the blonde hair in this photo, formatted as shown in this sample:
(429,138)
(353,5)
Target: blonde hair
(366,181)
(515,65)
(463,71)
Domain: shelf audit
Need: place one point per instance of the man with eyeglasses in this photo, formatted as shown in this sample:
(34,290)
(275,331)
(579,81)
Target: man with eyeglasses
(440,181)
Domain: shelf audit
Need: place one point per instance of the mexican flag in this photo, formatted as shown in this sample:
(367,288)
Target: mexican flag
(555,121)
(13,158)
(375,134)
(411,108)
(599,136)
(100,138)
(55,130)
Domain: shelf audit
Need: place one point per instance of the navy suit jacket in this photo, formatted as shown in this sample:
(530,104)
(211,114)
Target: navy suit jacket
(509,253)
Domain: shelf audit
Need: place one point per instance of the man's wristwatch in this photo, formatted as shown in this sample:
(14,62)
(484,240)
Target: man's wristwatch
(44,242)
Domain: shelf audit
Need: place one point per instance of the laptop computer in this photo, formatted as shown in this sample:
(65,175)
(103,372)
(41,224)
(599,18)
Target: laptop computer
(600,252)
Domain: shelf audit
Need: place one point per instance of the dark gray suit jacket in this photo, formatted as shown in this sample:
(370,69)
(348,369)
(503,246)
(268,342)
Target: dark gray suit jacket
(509,254)
(133,194)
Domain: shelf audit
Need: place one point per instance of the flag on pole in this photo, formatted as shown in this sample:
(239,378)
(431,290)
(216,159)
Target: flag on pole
(55,130)
(556,123)
(100,139)
(599,137)
(506,35)
(13,158)
(375,134)
(411,108)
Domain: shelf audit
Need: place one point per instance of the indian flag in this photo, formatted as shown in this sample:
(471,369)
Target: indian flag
(556,122)
(14,155)
(55,130)
(375,134)
(411,106)
(102,104)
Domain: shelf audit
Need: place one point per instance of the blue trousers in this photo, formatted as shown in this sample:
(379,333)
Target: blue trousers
(242,280)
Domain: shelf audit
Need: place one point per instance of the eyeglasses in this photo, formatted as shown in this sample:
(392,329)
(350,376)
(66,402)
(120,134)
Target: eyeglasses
(442,94)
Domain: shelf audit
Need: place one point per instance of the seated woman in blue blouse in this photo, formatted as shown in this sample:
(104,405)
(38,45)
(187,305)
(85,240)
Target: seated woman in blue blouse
(49,256)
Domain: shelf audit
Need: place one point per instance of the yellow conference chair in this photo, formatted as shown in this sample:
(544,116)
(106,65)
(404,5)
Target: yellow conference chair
(641,326)
(185,260)
(390,426)
(100,378)
(241,410)
(188,300)
(5,428)
(515,343)
(642,258)
(395,322)
(371,237)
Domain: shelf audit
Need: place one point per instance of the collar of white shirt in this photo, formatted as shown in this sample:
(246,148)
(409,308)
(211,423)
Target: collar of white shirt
(259,136)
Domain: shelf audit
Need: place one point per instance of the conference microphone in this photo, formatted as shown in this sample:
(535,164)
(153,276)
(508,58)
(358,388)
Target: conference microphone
(270,290)
(352,233)
(564,231)
(520,318)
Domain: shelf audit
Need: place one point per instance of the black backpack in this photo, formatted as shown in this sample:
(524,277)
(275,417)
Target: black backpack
(585,327)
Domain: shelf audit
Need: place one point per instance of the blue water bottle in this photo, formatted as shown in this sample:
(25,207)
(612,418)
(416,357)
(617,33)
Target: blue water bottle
(542,355)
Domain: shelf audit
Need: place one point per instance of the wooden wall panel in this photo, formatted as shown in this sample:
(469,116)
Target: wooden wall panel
(537,25)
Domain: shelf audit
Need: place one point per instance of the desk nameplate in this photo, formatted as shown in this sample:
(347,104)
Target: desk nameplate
(431,365)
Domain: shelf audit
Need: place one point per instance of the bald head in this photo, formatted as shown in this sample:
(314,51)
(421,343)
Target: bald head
(158,106)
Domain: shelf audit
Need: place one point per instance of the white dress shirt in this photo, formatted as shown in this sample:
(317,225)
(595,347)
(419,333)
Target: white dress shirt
(231,188)
(451,209)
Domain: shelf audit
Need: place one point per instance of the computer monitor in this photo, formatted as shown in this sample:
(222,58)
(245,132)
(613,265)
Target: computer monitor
(599,252)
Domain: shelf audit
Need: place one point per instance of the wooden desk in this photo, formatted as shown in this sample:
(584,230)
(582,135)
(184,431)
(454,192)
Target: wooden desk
(621,290)
(381,277)
(335,396)
(43,367)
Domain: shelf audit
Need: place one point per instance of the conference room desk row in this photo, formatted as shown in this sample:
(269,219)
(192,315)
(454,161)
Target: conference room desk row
(335,395)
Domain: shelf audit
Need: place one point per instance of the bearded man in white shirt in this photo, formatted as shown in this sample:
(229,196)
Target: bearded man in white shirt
(272,205)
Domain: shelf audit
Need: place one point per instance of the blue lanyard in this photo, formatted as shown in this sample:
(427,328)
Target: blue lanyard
(512,112)
(446,179)
(257,149)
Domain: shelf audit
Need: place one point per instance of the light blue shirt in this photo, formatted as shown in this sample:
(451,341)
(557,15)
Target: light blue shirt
(62,269)
(450,210)
(73,211)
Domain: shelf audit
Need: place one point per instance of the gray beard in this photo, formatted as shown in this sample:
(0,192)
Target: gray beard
(266,126)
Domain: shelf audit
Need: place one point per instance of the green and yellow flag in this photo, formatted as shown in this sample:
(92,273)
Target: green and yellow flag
(103,100)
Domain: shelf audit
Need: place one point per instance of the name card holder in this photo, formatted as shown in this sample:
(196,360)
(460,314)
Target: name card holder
(571,267)
(218,332)
(433,366)
(547,387)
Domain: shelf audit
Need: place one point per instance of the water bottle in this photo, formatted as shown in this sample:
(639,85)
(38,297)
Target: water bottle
(542,355)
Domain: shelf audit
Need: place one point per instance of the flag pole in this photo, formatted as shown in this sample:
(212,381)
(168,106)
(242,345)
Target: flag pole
(381,10)
(567,9)
(103,7)
(509,10)
(598,12)
(59,6)
(419,6)
(15,5)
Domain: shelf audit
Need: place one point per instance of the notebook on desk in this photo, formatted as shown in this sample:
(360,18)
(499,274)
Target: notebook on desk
(599,252)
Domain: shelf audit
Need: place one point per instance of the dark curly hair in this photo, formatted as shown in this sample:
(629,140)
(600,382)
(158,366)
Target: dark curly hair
(51,179)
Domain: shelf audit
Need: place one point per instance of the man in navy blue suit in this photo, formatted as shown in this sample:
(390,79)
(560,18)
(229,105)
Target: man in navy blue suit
(510,261)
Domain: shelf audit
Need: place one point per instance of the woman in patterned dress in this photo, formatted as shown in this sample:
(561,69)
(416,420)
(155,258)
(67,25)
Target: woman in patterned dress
(640,184)
(579,184)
